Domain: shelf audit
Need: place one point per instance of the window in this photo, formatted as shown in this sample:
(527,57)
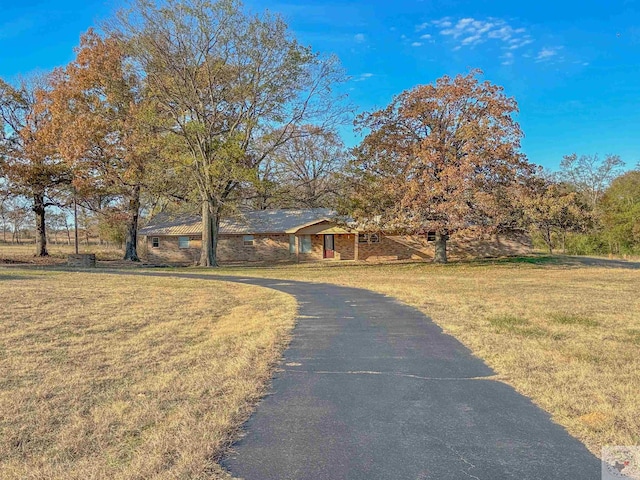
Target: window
(368,238)
(155,242)
(305,246)
(247,240)
(183,242)
(292,244)
(431,236)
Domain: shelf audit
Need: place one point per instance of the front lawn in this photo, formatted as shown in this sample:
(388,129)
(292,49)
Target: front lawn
(120,377)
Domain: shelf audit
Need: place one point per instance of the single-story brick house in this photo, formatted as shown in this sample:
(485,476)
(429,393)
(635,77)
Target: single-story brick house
(296,235)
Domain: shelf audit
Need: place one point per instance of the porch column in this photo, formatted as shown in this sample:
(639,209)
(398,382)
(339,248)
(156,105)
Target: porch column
(355,246)
(297,243)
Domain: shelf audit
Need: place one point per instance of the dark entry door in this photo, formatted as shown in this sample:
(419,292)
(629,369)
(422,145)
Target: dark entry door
(329,251)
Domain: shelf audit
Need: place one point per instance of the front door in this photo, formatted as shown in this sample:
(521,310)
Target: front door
(329,251)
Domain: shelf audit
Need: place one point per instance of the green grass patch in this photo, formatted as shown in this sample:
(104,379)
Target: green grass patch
(533,259)
(508,322)
(572,319)
(517,325)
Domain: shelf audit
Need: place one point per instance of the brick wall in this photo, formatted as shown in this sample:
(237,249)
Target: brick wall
(275,248)
(231,249)
(404,247)
(265,248)
(168,251)
(345,247)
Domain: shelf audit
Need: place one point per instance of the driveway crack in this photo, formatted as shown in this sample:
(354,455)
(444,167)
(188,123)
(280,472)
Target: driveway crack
(392,374)
(461,457)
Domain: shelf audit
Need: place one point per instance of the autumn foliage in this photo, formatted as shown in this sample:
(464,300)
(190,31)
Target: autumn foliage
(105,126)
(441,157)
(29,158)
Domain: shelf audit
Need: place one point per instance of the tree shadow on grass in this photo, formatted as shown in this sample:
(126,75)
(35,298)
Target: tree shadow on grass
(559,260)
(12,277)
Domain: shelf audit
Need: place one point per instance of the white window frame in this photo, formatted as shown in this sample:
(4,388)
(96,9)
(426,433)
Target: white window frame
(155,242)
(367,238)
(181,241)
(248,241)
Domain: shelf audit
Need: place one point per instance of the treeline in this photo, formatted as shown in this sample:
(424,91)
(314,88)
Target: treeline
(174,105)
(196,105)
(591,206)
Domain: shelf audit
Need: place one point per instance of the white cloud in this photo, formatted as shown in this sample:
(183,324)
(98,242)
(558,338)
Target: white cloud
(362,77)
(515,43)
(416,44)
(547,54)
(470,32)
(507,58)
(360,37)
(472,40)
(442,23)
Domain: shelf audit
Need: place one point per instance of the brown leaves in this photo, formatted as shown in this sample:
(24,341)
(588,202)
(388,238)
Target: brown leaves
(30,162)
(99,108)
(443,153)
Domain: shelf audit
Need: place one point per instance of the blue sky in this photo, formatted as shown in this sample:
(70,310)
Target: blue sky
(572,66)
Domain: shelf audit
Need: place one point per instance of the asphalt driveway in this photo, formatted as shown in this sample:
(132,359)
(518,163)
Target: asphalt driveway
(372,389)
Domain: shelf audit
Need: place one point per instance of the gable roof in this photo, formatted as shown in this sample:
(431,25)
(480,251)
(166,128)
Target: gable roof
(249,222)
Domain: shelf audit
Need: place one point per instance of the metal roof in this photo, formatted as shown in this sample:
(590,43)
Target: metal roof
(249,222)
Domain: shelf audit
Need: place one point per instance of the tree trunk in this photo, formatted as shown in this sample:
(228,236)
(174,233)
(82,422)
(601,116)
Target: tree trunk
(131,245)
(210,226)
(548,240)
(41,233)
(440,248)
(68,235)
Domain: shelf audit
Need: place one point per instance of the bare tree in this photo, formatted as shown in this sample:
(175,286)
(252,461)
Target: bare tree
(303,173)
(591,175)
(4,211)
(18,218)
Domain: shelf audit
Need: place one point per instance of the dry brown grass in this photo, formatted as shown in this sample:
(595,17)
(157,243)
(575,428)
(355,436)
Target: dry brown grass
(115,377)
(24,253)
(568,337)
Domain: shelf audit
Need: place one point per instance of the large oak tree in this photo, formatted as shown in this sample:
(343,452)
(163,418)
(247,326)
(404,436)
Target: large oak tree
(441,157)
(232,85)
(28,154)
(105,129)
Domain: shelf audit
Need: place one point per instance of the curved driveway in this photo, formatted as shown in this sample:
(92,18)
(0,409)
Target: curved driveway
(370,388)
